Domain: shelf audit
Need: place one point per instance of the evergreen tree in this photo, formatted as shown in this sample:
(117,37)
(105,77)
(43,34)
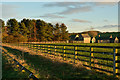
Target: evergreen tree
(23,29)
(64,32)
(57,35)
(33,30)
(29,25)
(34,35)
(2,24)
(13,27)
(49,32)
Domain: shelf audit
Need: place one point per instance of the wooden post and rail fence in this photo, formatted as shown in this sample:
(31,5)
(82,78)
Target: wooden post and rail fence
(109,61)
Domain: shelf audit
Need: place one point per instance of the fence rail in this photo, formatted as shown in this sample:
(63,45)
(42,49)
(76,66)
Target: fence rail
(31,75)
(102,58)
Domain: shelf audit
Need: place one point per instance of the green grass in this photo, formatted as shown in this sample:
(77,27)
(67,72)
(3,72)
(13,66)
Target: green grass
(106,62)
(10,71)
(49,69)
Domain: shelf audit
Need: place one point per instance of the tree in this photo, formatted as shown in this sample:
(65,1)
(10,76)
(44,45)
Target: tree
(2,28)
(13,27)
(57,35)
(64,32)
(49,32)
(2,24)
(43,30)
(34,35)
(33,30)
(29,25)
(23,29)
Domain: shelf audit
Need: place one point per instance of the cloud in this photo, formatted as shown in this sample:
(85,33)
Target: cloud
(8,10)
(51,16)
(110,26)
(105,3)
(105,20)
(63,4)
(76,10)
(71,7)
(60,0)
(76,7)
(81,21)
(75,4)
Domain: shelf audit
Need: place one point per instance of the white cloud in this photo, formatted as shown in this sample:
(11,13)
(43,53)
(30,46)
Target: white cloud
(64,4)
(76,7)
(76,10)
(105,20)
(109,28)
(81,21)
(51,16)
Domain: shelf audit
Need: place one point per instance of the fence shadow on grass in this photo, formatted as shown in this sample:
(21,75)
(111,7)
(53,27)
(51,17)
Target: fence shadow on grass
(49,69)
(9,71)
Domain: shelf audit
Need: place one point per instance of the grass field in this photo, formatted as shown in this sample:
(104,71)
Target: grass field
(10,70)
(47,68)
(106,63)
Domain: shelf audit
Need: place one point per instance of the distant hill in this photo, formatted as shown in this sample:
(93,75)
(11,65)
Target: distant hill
(91,33)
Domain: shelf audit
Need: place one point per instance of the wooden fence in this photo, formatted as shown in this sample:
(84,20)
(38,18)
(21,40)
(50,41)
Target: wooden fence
(31,76)
(101,58)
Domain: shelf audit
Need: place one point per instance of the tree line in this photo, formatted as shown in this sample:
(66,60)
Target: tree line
(31,30)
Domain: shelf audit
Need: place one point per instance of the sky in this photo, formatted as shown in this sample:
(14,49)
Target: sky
(77,16)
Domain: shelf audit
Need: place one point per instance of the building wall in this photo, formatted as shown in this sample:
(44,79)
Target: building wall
(93,40)
(103,41)
(87,40)
(116,40)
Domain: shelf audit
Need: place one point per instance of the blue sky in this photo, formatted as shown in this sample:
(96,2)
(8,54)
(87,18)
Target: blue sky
(78,16)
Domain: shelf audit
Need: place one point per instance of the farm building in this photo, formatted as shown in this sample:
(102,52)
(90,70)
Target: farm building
(76,38)
(113,37)
(84,38)
(93,40)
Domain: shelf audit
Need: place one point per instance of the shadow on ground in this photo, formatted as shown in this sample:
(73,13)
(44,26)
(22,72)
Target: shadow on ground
(9,71)
(49,69)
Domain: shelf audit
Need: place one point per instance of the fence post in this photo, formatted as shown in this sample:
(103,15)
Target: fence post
(91,55)
(33,46)
(30,46)
(54,49)
(115,58)
(63,52)
(44,47)
(75,53)
(48,48)
(36,49)
(40,47)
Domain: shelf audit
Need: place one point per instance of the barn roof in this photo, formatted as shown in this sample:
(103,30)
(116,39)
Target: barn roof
(107,36)
(85,35)
(79,38)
